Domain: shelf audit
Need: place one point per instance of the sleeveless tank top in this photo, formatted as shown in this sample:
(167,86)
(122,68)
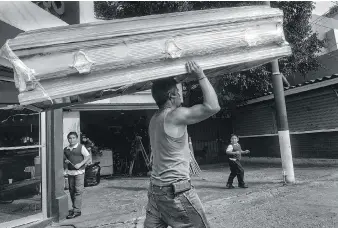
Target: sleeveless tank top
(171,156)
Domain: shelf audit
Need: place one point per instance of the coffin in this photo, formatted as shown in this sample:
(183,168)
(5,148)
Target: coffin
(67,65)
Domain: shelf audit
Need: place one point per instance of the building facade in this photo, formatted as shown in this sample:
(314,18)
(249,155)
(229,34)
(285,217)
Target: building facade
(312,109)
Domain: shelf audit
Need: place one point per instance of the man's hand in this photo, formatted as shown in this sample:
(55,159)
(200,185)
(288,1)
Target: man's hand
(194,69)
(67,161)
(78,166)
(183,116)
(247,151)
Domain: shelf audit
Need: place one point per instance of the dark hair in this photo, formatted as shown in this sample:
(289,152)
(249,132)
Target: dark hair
(160,90)
(72,133)
(232,135)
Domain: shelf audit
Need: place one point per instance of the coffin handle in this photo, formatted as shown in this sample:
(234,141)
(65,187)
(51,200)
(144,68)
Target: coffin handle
(82,63)
(172,49)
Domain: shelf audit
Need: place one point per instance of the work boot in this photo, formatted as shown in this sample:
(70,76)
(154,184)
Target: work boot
(243,185)
(229,186)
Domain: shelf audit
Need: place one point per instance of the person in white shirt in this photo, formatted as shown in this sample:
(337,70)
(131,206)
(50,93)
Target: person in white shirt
(75,158)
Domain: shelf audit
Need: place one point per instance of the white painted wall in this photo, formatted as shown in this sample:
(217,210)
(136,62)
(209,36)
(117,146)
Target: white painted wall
(71,122)
(325,27)
(87,14)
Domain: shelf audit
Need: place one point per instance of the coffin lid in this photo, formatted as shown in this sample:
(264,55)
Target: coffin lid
(139,25)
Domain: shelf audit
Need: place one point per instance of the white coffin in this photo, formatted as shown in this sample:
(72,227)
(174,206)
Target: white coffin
(67,65)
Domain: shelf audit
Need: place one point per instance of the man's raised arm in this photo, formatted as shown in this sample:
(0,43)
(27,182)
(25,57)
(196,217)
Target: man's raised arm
(200,112)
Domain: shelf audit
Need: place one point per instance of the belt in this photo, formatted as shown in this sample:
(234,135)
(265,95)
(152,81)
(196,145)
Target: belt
(176,187)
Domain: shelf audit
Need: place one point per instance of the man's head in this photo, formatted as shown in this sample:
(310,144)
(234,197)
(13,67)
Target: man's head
(234,139)
(72,138)
(165,92)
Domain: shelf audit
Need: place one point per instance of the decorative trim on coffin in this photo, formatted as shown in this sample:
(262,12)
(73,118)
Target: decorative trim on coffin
(172,50)
(82,63)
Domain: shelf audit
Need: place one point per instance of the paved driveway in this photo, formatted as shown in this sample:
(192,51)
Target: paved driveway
(312,202)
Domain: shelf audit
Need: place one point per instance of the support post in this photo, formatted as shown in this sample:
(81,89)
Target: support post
(43,157)
(282,123)
(58,205)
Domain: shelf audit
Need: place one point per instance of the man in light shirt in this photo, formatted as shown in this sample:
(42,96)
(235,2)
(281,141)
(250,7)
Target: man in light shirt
(75,158)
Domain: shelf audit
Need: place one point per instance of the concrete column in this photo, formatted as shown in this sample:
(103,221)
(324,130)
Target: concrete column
(58,205)
(86,12)
(44,172)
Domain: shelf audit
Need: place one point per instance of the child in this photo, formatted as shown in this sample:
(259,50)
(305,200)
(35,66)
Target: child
(234,151)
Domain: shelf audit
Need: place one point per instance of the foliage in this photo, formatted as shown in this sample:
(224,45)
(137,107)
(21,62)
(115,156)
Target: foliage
(305,44)
(235,88)
(333,11)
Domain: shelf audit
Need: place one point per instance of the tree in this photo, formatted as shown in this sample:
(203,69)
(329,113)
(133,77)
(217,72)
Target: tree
(237,87)
(333,11)
(305,44)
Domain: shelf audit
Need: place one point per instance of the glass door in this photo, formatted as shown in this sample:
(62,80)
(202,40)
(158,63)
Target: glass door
(22,168)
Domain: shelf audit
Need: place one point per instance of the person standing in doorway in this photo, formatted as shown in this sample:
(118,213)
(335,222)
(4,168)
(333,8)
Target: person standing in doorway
(172,200)
(234,152)
(75,158)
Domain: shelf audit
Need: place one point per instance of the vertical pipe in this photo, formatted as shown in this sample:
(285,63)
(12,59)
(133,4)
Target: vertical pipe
(282,123)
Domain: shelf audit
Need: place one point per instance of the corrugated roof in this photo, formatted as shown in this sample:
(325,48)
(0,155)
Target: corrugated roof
(326,78)
(299,88)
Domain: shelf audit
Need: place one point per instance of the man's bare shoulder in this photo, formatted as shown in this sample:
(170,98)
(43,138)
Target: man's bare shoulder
(178,113)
